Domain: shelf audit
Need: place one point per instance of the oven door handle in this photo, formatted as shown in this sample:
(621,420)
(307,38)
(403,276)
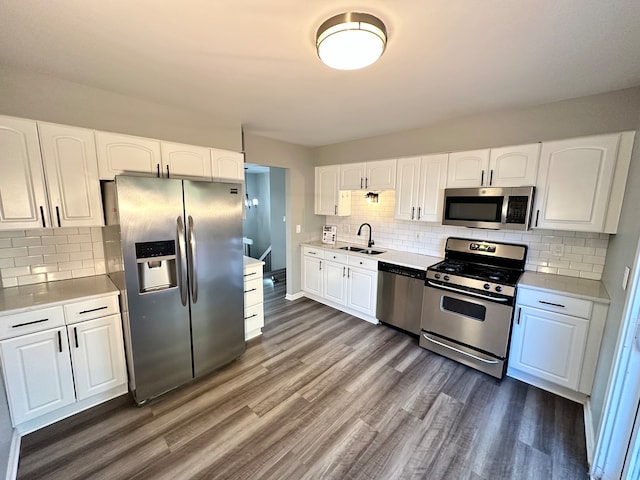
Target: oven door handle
(464,292)
(484,360)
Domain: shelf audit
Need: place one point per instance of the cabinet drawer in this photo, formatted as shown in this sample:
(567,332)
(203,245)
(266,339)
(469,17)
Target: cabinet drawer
(30,322)
(253,318)
(252,271)
(312,251)
(367,263)
(552,302)
(252,292)
(89,309)
(336,257)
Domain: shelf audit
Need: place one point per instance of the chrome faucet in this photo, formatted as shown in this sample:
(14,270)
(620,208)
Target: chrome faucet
(370,242)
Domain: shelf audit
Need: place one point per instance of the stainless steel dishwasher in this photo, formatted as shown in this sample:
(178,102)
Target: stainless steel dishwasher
(400,291)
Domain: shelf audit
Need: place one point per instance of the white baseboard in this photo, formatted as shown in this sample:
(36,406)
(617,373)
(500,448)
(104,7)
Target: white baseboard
(589,433)
(14,456)
(294,296)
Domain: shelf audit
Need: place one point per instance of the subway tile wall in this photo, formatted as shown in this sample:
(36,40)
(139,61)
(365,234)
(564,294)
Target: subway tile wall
(574,254)
(49,254)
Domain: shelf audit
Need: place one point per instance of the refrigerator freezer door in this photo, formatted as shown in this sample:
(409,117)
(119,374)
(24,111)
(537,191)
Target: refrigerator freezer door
(214,243)
(159,327)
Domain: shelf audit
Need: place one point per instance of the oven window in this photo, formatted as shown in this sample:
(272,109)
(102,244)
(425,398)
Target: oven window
(472,310)
(482,209)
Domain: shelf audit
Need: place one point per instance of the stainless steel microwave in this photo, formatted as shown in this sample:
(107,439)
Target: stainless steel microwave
(494,208)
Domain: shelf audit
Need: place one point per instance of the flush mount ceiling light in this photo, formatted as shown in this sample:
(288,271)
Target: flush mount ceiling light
(350,41)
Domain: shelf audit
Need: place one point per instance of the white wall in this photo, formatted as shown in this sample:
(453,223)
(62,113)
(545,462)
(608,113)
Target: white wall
(277,189)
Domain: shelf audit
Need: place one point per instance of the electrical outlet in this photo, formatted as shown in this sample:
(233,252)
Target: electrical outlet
(557,249)
(298,228)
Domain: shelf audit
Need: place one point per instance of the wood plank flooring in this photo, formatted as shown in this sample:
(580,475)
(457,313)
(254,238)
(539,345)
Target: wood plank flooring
(322,395)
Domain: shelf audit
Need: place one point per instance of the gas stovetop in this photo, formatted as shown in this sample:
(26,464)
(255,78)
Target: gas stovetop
(491,267)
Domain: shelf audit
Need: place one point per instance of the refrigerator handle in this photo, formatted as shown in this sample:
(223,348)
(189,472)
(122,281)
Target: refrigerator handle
(182,263)
(192,260)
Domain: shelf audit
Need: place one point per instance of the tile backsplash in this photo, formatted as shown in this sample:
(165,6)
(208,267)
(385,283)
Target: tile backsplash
(574,254)
(48,254)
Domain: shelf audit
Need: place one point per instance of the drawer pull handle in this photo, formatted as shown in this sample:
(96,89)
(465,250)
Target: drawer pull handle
(249,274)
(552,304)
(312,253)
(251,290)
(59,341)
(93,310)
(75,335)
(251,316)
(29,323)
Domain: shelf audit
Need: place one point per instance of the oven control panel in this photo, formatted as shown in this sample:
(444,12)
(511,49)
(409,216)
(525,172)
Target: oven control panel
(482,247)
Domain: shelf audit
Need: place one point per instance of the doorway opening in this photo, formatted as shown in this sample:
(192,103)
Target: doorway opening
(264,226)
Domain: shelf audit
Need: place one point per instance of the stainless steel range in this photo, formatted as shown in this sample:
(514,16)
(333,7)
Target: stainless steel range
(467,307)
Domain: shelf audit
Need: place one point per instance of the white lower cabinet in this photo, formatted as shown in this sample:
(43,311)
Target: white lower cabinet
(38,374)
(253,298)
(555,341)
(344,281)
(56,372)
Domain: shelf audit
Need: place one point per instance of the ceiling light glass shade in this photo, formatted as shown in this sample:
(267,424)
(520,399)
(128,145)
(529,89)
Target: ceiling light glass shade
(350,41)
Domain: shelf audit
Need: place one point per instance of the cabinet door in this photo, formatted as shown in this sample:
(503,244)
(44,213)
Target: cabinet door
(408,180)
(362,286)
(185,161)
(23,200)
(381,175)
(71,167)
(326,193)
(515,166)
(468,169)
(37,371)
(312,275)
(227,165)
(549,345)
(335,282)
(433,177)
(124,154)
(352,176)
(97,353)
(574,183)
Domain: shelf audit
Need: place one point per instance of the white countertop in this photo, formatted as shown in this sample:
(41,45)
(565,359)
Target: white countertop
(31,297)
(574,287)
(405,259)
(252,261)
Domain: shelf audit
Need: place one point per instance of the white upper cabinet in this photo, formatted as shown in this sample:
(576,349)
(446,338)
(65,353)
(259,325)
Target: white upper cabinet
(227,165)
(329,199)
(71,168)
(514,166)
(23,201)
(420,185)
(581,183)
(377,175)
(185,161)
(468,169)
(124,154)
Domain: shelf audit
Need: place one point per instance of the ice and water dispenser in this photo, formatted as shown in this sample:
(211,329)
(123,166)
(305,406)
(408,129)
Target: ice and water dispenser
(156,265)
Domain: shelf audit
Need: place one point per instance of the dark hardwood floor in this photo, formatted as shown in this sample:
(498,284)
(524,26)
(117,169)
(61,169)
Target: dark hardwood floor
(322,395)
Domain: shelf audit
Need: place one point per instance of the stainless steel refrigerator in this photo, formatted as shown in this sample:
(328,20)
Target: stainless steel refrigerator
(175,252)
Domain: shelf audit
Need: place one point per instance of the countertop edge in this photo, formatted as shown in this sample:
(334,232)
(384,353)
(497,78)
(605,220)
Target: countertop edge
(568,286)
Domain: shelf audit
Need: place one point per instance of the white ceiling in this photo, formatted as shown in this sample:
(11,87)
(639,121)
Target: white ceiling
(254,61)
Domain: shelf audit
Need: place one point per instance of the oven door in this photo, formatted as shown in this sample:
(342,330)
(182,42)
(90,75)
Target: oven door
(471,330)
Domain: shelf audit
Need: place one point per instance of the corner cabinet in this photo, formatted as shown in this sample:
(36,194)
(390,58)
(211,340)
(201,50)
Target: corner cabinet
(555,341)
(347,282)
(60,360)
(420,185)
(51,176)
(581,183)
(329,199)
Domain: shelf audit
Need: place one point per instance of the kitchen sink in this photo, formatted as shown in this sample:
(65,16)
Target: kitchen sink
(352,249)
(368,251)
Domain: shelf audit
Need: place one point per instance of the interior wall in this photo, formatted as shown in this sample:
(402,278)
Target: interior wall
(257,224)
(278,218)
(621,253)
(299,187)
(41,97)
(604,113)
